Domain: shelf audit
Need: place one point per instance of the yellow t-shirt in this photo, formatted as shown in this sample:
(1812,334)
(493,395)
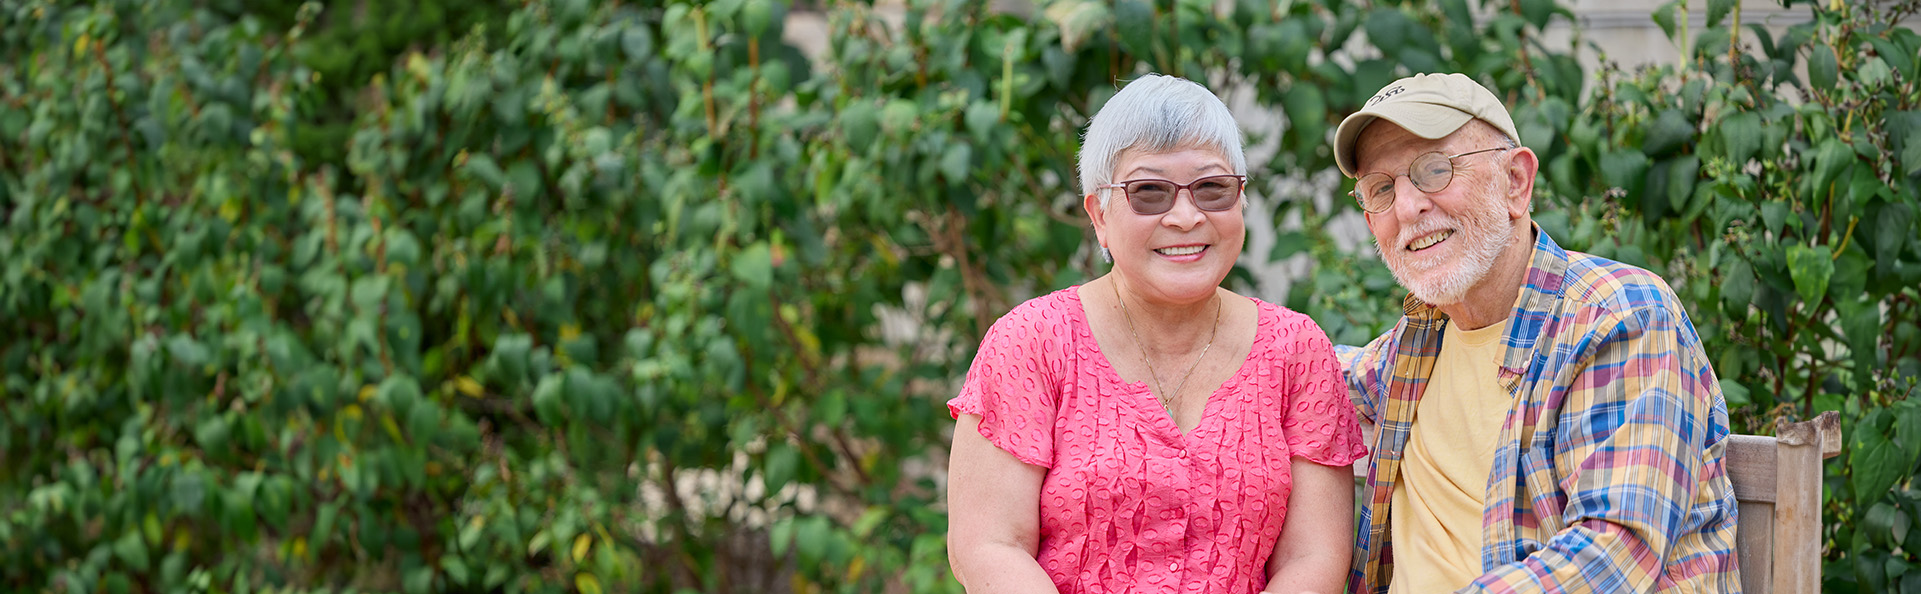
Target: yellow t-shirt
(1436,517)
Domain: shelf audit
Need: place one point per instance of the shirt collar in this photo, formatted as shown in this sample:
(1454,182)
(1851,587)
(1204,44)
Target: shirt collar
(1541,289)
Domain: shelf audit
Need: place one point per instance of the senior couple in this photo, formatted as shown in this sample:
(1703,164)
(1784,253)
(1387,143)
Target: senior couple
(1546,419)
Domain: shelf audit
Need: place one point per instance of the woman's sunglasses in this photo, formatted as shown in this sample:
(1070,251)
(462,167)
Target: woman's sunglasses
(1213,193)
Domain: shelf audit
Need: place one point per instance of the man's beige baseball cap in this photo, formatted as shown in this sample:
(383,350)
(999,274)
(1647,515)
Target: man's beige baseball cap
(1431,106)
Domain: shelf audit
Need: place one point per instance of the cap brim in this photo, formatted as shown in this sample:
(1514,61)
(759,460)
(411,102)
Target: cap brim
(1425,120)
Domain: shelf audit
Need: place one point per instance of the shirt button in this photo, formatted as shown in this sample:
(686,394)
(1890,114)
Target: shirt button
(1173,566)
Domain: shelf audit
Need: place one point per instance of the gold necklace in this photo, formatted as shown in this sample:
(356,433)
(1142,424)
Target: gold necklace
(1166,399)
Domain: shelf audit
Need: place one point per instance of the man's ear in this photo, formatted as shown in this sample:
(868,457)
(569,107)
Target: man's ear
(1522,167)
(1092,204)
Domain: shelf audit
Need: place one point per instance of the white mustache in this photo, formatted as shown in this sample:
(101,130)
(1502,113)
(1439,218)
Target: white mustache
(1424,227)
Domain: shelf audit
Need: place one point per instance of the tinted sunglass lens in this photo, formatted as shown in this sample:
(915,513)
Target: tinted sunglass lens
(1216,193)
(1150,197)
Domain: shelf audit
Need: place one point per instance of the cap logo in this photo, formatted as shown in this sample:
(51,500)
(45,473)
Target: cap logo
(1386,93)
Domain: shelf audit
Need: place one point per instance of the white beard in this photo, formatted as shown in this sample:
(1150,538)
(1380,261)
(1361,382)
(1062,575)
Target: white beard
(1482,233)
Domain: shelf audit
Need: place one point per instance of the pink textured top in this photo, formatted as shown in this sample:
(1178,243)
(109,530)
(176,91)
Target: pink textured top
(1130,504)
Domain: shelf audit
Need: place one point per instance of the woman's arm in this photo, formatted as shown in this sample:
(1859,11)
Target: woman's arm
(993,516)
(1318,538)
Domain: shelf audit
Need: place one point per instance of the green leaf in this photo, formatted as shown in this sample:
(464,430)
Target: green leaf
(547,400)
(1861,326)
(1774,214)
(1134,25)
(423,422)
(1850,278)
(754,265)
(1718,10)
(400,392)
(1879,523)
(756,16)
(782,461)
(1904,134)
(1811,267)
(1823,69)
(211,433)
(1737,289)
(456,569)
(781,535)
(419,580)
(1683,172)
(1306,109)
(150,528)
(1288,243)
(510,355)
(1387,28)
(859,125)
(187,352)
(1740,137)
(1624,169)
(1766,38)
(483,167)
(638,42)
(1666,17)
(1907,429)
(1875,461)
(131,550)
(957,162)
(1537,12)
(1078,20)
(1667,133)
(1892,226)
(587,583)
(524,177)
(1831,160)
(810,539)
(117,583)
(1735,393)
(983,119)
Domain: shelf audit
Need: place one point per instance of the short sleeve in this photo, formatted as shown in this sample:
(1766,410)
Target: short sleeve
(1011,384)
(1321,425)
(1361,368)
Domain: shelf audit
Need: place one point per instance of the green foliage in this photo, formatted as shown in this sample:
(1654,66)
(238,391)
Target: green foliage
(349,43)
(635,297)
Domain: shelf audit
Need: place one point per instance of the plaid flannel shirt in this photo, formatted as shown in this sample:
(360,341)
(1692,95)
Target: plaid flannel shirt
(1609,475)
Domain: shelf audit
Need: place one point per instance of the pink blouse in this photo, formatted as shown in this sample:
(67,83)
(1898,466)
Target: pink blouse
(1130,504)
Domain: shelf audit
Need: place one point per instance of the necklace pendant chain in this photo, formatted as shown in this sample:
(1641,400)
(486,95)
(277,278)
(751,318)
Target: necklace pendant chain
(1160,392)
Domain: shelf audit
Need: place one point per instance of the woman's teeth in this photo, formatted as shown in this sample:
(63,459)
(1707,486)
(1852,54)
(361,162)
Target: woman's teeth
(1181,251)
(1428,241)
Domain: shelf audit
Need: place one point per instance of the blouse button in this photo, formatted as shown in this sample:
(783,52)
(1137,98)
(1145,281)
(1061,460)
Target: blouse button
(1173,565)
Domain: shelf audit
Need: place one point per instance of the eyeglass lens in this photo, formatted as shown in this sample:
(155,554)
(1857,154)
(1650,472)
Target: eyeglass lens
(1430,172)
(1156,196)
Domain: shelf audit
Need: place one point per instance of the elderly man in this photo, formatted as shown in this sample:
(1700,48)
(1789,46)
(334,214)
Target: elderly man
(1547,420)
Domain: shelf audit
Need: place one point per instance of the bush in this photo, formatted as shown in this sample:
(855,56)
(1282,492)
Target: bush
(634,297)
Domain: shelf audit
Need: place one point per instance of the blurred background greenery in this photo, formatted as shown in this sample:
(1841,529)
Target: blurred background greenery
(561,295)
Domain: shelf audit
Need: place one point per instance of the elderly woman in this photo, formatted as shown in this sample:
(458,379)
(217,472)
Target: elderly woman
(1150,431)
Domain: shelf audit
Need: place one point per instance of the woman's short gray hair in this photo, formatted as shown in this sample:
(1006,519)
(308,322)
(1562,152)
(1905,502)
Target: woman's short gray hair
(1156,113)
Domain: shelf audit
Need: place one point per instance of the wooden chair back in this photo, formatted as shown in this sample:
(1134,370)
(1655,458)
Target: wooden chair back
(1777,484)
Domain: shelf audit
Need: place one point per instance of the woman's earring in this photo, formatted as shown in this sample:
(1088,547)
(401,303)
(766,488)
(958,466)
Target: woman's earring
(1107,256)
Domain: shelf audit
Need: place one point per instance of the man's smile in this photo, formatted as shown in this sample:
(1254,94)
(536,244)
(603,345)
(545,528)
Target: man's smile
(1427,241)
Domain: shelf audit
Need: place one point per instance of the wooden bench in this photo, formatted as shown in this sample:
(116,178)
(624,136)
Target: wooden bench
(1777,484)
